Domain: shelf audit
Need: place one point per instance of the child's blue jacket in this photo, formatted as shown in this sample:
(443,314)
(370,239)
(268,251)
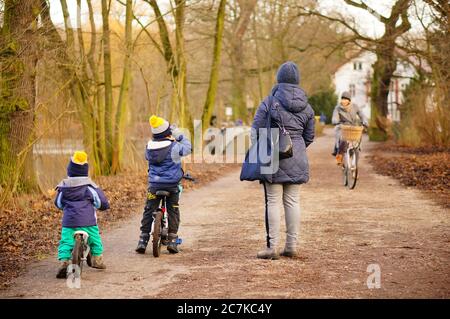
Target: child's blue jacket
(164,160)
(79,197)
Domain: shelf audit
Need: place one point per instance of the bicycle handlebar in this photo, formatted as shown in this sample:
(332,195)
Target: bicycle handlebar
(188,177)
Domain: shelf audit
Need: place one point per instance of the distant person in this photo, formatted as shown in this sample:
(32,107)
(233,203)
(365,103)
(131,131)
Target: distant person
(289,107)
(210,135)
(79,197)
(163,154)
(213,121)
(323,118)
(345,113)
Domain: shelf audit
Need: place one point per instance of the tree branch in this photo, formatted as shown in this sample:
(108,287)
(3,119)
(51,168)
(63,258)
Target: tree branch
(341,21)
(364,6)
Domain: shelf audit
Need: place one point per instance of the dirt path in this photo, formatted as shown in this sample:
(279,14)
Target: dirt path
(342,232)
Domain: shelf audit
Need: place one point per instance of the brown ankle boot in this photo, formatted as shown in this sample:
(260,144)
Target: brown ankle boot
(268,253)
(289,252)
(97,262)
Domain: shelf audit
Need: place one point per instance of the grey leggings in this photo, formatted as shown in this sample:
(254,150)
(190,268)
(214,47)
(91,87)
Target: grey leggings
(289,195)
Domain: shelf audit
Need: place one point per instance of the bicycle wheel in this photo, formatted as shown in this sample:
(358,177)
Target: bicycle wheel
(157,229)
(352,171)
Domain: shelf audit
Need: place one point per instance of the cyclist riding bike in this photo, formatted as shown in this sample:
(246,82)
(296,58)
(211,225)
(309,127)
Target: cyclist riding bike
(345,113)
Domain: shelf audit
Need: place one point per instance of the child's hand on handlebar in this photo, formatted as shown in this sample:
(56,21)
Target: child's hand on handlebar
(177,134)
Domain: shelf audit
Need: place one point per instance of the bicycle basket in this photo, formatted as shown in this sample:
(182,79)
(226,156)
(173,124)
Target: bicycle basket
(351,133)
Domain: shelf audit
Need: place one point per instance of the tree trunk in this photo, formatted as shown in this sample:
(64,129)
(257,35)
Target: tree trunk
(18,93)
(238,90)
(214,76)
(119,129)
(107,69)
(176,63)
(181,82)
(98,101)
(383,69)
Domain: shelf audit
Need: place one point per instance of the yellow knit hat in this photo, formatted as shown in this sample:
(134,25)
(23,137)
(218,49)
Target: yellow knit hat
(79,157)
(159,125)
(156,121)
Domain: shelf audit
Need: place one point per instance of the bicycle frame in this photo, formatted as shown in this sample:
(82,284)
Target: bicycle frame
(84,243)
(165,219)
(74,269)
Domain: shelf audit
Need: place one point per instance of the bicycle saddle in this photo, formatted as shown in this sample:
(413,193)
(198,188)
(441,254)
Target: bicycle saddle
(162,193)
(82,233)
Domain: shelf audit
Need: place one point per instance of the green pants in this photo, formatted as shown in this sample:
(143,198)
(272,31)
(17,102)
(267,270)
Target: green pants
(67,241)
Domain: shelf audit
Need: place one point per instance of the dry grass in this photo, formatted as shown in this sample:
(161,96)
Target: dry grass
(427,168)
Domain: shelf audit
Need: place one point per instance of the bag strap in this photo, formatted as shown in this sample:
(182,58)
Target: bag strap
(277,106)
(269,118)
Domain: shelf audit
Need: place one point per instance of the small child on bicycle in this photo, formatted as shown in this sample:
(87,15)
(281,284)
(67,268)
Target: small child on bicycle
(163,153)
(79,197)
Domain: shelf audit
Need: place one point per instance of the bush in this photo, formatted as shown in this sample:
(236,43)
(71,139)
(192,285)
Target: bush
(318,127)
(425,120)
(324,102)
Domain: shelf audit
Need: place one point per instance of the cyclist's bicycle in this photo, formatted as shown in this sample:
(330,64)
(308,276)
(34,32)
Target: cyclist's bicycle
(160,225)
(352,136)
(80,254)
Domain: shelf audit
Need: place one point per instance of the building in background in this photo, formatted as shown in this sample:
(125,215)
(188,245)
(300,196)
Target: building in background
(356,74)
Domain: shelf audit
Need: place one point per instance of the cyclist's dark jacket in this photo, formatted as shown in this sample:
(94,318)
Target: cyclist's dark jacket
(164,160)
(79,198)
(298,119)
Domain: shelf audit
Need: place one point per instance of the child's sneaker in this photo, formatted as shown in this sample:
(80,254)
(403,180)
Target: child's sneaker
(172,247)
(97,262)
(143,242)
(62,271)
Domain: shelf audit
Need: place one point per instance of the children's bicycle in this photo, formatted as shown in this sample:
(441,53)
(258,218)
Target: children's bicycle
(160,225)
(352,137)
(81,252)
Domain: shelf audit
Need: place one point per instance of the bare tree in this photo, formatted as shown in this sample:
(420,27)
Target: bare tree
(107,69)
(214,76)
(119,124)
(241,23)
(384,47)
(175,60)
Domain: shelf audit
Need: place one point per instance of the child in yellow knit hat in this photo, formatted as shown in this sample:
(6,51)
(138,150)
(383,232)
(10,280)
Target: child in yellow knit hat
(79,197)
(163,153)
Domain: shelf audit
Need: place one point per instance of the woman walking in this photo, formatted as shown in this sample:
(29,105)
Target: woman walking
(289,108)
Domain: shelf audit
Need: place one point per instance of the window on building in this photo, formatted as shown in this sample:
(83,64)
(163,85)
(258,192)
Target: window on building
(357,65)
(352,89)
